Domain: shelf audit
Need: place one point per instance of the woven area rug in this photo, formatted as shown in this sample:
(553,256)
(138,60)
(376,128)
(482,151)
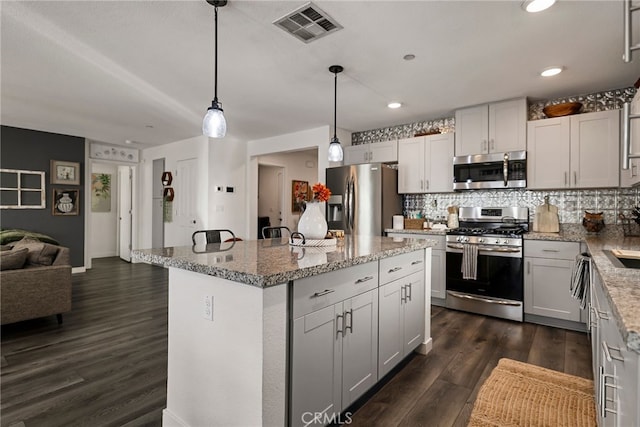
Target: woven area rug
(520,394)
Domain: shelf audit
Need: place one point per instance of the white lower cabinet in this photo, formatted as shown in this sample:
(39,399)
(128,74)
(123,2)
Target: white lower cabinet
(359,346)
(316,366)
(547,279)
(334,342)
(334,357)
(617,374)
(335,333)
(438,264)
(438,269)
(402,314)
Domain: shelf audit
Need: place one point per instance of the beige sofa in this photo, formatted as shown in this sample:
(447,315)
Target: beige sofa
(37,291)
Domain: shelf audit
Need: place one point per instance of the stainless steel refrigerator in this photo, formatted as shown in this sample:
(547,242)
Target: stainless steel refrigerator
(363,199)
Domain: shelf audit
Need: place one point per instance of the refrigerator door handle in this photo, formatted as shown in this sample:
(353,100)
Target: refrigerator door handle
(345,202)
(352,202)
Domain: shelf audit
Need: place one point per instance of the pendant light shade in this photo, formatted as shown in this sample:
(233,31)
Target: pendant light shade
(214,124)
(335,149)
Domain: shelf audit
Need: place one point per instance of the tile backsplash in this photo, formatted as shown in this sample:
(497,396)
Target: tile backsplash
(571,203)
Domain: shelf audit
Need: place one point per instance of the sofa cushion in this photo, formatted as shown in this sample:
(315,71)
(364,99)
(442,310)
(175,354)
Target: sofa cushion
(15,234)
(13,259)
(40,253)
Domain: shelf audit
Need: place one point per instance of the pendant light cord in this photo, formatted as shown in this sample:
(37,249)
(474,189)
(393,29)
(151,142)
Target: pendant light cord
(215,74)
(335,105)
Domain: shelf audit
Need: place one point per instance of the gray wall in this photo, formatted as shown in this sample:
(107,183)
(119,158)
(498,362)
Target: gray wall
(34,150)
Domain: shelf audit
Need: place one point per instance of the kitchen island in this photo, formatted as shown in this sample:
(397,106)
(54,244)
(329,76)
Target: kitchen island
(231,320)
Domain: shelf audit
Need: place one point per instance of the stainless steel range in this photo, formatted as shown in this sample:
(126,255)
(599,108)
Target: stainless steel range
(484,262)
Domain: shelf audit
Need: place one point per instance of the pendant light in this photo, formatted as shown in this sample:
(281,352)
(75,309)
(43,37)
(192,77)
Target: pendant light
(214,123)
(335,149)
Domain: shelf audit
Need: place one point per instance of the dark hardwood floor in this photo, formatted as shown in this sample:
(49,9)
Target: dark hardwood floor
(106,365)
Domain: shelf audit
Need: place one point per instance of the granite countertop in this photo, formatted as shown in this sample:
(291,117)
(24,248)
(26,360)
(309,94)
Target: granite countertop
(621,285)
(266,263)
(416,231)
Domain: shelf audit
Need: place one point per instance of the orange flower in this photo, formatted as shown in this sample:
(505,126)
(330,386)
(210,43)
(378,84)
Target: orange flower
(320,192)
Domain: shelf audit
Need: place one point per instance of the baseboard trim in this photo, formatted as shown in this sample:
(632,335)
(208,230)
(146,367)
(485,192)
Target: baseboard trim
(76,270)
(169,419)
(425,347)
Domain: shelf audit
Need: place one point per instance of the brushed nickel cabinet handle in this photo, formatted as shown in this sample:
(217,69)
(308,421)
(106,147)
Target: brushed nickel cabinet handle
(364,279)
(416,262)
(394,269)
(322,293)
(349,324)
(339,330)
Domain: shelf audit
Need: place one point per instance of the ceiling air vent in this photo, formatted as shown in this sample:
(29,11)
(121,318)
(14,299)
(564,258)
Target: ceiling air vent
(308,23)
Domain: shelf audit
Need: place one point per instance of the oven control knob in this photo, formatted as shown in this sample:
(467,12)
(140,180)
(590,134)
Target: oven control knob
(497,241)
(480,240)
(458,238)
(505,242)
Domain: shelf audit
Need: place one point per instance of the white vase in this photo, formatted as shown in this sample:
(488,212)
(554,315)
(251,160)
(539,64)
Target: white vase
(312,223)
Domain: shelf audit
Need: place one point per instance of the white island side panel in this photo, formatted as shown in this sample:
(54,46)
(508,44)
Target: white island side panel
(230,371)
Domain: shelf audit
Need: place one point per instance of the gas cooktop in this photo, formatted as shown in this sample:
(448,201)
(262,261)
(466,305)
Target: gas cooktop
(492,222)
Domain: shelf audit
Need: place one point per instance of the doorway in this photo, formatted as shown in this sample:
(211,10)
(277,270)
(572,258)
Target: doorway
(275,175)
(271,209)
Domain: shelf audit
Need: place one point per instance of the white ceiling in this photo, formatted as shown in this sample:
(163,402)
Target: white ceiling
(115,70)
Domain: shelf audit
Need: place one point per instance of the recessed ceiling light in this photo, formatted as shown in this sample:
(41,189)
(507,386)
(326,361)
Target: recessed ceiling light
(409,57)
(551,71)
(127,141)
(537,5)
(394,105)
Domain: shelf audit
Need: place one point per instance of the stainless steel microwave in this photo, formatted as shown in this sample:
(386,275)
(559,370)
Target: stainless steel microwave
(496,170)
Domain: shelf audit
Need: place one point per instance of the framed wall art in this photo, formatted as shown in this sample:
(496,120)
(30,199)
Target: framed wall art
(65,201)
(100,192)
(65,172)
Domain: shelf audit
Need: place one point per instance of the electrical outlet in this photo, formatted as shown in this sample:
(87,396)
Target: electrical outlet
(208,307)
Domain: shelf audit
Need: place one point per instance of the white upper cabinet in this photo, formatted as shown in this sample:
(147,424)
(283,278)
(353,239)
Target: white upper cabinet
(580,151)
(492,128)
(377,152)
(425,164)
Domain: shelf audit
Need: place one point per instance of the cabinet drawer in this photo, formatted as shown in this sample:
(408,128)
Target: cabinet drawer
(316,292)
(400,266)
(547,249)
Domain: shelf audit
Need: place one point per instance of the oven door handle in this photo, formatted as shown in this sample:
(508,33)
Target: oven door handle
(487,248)
(482,299)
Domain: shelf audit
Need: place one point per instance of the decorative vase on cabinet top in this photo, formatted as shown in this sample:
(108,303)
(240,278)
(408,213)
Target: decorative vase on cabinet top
(313,224)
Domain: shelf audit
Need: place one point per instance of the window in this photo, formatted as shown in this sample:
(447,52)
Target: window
(22,189)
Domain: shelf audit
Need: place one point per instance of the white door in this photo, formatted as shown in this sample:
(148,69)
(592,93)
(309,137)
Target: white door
(124,212)
(185,199)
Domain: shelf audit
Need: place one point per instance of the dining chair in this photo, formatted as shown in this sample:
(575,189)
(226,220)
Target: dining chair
(274,232)
(213,236)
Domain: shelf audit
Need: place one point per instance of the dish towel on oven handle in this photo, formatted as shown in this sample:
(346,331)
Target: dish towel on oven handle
(581,279)
(469,261)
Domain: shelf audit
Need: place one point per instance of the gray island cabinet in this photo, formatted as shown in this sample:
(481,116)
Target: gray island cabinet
(261,333)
